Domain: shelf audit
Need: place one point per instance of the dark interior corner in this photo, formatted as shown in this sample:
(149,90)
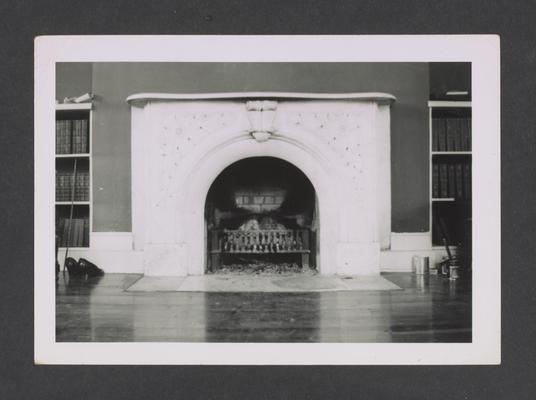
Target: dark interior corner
(450,81)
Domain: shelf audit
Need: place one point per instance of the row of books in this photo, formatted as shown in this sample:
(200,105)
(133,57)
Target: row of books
(451,179)
(64,186)
(451,134)
(72,136)
(75,235)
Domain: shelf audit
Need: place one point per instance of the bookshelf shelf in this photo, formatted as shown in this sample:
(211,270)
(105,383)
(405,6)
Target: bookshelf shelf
(74,106)
(449,104)
(73,201)
(450,153)
(76,155)
(450,157)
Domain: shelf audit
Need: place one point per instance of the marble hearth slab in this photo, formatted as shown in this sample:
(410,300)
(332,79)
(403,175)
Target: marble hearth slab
(157,284)
(262,283)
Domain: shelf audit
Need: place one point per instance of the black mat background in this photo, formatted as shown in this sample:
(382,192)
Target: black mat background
(21,21)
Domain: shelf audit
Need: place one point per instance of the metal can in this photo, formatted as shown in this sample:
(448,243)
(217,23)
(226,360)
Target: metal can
(421,265)
(454,272)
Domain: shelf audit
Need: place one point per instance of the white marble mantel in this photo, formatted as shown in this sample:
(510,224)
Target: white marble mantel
(181,142)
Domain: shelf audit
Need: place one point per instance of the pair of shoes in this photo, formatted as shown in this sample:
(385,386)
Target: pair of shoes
(90,268)
(82,267)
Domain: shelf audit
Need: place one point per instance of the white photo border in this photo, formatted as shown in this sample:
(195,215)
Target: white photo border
(481,50)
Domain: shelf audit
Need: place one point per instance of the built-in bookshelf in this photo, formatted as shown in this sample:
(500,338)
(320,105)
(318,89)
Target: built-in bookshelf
(73,174)
(450,171)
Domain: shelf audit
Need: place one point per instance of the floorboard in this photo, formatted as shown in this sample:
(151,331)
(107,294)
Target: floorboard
(428,309)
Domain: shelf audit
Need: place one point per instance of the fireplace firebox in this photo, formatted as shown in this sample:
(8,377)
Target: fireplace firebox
(261,209)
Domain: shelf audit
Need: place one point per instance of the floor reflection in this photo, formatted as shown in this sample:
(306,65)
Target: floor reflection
(431,309)
(262,317)
(86,312)
(349,318)
(428,309)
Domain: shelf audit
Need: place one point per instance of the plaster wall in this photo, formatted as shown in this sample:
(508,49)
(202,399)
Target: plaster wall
(113,82)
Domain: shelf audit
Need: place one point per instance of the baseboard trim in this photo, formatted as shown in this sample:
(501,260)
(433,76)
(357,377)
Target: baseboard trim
(401,261)
(111,261)
(111,240)
(113,252)
(411,241)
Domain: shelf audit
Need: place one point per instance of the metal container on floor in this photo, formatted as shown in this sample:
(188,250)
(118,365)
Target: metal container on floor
(421,265)
(454,272)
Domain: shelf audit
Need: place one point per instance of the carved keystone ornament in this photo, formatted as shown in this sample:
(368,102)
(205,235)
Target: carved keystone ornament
(261,114)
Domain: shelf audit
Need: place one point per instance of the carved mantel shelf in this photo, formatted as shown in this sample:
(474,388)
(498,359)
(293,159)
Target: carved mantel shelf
(140,99)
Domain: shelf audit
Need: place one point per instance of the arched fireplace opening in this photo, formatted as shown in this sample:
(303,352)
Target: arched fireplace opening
(261,216)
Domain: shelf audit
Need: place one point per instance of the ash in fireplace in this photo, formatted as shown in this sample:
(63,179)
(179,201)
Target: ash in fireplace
(265,268)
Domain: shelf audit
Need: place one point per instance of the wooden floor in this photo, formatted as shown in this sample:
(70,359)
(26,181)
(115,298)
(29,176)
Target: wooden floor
(428,309)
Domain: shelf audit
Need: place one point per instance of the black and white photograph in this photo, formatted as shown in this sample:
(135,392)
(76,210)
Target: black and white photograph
(261,201)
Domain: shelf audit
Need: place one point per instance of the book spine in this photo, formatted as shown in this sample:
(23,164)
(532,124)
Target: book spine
(58,186)
(451,181)
(467,126)
(63,138)
(74,136)
(80,232)
(59,229)
(81,191)
(65,186)
(467,180)
(68,185)
(463,134)
(451,134)
(86,186)
(86,231)
(79,137)
(58,137)
(65,237)
(61,191)
(459,181)
(435,181)
(441,135)
(77,186)
(457,134)
(443,180)
(78,189)
(79,134)
(84,136)
(79,237)
(74,236)
(68,137)
(435,134)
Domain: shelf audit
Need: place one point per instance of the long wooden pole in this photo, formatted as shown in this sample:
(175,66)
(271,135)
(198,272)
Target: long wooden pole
(70,213)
